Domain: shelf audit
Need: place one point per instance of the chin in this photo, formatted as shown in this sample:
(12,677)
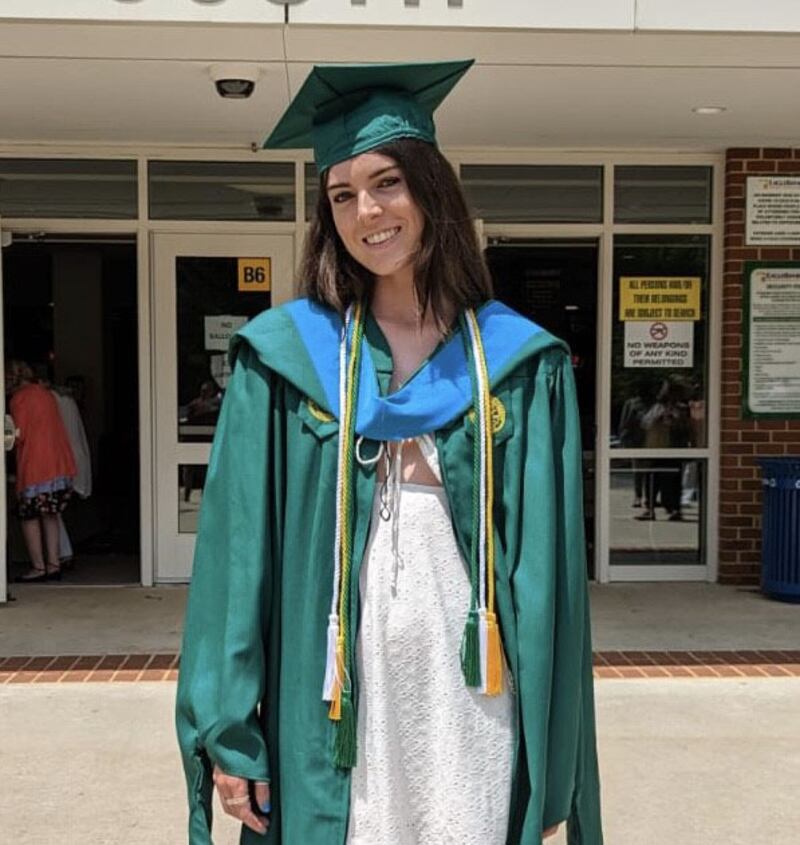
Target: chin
(386,268)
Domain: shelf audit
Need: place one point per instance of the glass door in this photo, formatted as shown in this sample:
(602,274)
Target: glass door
(659,442)
(206,287)
(554,283)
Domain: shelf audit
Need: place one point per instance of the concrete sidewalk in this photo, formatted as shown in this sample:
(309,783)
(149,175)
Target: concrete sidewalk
(691,761)
(53,620)
(699,762)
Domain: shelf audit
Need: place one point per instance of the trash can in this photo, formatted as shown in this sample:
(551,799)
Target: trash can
(780,528)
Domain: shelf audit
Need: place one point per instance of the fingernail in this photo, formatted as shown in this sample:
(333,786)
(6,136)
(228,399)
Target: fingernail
(265,807)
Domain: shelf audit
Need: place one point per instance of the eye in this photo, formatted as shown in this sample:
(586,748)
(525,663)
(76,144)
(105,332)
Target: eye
(341,196)
(388,181)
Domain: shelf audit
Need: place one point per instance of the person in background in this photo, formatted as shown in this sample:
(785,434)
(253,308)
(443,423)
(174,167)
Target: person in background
(45,469)
(76,432)
(666,426)
(82,485)
(697,437)
(631,436)
(205,406)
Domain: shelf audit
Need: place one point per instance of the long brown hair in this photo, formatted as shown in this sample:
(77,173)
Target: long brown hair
(449,267)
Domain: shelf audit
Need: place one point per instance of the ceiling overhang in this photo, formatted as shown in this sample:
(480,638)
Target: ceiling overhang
(149,84)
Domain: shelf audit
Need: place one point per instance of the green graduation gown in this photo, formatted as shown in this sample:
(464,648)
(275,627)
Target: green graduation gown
(253,658)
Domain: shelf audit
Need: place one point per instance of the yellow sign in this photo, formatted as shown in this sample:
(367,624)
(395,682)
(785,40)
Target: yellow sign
(659,298)
(255,275)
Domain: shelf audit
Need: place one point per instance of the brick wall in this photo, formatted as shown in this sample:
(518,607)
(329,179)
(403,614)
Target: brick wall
(743,439)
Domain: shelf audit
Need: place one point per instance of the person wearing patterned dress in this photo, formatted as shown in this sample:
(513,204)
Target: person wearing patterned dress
(45,469)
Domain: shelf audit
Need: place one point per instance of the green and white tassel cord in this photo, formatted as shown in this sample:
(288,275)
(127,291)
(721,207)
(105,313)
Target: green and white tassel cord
(481,652)
(490,655)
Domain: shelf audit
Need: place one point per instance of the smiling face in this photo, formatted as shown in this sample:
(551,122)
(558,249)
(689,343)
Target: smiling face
(374,213)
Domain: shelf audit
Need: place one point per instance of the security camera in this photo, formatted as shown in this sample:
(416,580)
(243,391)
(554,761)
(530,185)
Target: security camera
(234,81)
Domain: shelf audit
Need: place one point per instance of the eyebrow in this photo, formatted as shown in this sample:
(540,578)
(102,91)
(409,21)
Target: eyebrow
(371,176)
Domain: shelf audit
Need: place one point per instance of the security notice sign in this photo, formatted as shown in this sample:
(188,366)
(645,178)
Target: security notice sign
(773,211)
(772,340)
(651,298)
(219,329)
(659,344)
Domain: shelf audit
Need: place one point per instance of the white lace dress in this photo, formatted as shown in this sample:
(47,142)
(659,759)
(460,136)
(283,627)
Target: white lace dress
(434,756)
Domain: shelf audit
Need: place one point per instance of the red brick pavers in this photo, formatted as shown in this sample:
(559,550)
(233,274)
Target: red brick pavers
(132,668)
(97,668)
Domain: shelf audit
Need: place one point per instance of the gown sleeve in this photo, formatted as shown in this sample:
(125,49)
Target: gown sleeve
(222,669)
(552,608)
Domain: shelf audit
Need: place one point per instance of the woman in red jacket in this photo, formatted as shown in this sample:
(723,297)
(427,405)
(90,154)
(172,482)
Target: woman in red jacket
(45,469)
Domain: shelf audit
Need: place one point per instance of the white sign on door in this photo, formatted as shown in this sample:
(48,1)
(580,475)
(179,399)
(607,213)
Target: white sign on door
(659,344)
(220,369)
(219,330)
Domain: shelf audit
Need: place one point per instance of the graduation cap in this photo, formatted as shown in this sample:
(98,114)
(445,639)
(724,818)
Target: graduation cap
(343,110)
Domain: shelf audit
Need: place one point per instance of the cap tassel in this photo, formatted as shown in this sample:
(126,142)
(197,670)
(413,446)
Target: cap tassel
(493,667)
(470,651)
(344,745)
(335,710)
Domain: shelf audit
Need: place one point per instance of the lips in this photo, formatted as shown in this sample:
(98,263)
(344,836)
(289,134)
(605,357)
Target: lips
(382,237)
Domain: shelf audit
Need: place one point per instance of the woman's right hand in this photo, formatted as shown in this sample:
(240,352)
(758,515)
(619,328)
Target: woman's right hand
(234,793)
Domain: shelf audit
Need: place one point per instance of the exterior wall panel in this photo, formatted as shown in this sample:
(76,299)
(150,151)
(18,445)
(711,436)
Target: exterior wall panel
(622,15)
(195,11)
(719,15)
(743,439)
(519,14)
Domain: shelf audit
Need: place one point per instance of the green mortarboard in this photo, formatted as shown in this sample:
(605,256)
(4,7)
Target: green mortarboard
(344,110)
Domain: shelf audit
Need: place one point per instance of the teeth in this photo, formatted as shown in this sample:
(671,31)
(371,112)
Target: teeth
(380,237)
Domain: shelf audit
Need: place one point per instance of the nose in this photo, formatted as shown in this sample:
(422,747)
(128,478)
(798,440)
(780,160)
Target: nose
(368,207)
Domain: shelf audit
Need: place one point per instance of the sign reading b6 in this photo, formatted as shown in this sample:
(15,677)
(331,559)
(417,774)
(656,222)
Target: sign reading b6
(255,274)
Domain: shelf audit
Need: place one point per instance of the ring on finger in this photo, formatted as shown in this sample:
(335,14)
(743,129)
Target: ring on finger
(236,800)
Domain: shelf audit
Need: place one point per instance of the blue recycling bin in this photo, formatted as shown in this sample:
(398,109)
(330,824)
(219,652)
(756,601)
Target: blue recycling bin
(780,528)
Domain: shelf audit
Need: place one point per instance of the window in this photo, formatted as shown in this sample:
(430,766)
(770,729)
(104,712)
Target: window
(534,193)
(221,190)
(665,194)
(72,188)
(659,356)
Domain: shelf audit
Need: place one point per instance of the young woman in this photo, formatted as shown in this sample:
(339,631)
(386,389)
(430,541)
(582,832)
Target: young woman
(387,637)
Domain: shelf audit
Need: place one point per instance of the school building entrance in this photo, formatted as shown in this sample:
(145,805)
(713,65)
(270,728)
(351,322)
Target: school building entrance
(621,185)
(135,314)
